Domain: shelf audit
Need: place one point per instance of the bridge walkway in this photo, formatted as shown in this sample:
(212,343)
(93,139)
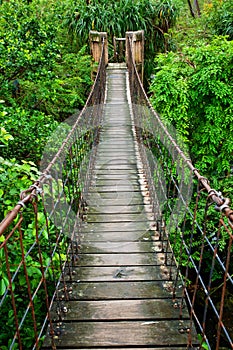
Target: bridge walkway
(120,296)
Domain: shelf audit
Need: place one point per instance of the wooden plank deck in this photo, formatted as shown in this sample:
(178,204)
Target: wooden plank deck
(120,296)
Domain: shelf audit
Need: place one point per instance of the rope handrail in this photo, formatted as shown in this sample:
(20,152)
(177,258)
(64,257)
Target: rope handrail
(195,238)
(40,235)
(28,194)
(222,203)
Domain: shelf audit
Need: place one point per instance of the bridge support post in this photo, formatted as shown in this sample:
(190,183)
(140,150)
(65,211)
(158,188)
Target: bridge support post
(119,49)
(96,39)
(137,39)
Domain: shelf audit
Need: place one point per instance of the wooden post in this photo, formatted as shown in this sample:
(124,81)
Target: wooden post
(96,39)
(137,39)
(119,49)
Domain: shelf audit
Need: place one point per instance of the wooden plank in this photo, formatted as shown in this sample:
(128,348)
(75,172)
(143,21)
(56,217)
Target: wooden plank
(115,236)
(104,149)
(109,182)
(118,217)
(120,140)
(131,259)
(113,132)
(98,202)
(123,187)
(109,273)
(119,209)
(110,160)
(113,176)
(118,187)
(117,197)
(118,289)
(118,247)
(118,167)
(113,144)
(116,172)
(143,226)
(133,333)
(152,309)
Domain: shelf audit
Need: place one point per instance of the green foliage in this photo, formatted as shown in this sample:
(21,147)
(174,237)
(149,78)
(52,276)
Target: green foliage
(218,16)
(193,91)
(15,177)
(29,132)
(116,18)
(62,91)
(27,45)
(4,137)
(39,70)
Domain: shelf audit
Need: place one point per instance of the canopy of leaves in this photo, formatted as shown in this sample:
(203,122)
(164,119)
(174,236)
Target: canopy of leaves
(194,92)
(37,68)
(42,78)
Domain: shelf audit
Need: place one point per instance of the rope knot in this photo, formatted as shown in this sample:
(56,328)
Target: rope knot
(37,189)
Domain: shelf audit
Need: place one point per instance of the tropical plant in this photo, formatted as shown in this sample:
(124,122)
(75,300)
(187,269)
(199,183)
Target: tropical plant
(218,16)
(29,130)
(193,91)
(39,70)
(116,18)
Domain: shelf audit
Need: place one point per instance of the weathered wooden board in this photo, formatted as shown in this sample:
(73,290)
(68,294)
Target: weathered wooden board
(144,309)
(119,289)
(119,216)
(117,187)
(131,333)
(111,273)
(113,195)
(132,259)
(118,247)
(117,198)
(118,167)
(119,209)
(115,145)
(115,236)
(114,151)
(113,176)
(115,172)
(143,226)
(109,183)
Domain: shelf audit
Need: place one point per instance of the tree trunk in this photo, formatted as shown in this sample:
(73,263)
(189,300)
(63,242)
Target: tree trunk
(197,7)
(191,9)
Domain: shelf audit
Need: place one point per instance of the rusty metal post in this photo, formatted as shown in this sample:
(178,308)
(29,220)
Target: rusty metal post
(137,39)
(96,39)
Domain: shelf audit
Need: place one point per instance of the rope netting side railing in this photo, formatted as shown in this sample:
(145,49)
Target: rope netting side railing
(195,223)
(39,238)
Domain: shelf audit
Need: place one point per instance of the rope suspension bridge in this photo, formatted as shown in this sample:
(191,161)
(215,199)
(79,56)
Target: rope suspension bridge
(124,236)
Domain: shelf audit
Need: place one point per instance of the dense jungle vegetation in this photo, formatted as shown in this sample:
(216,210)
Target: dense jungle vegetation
(45,76)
